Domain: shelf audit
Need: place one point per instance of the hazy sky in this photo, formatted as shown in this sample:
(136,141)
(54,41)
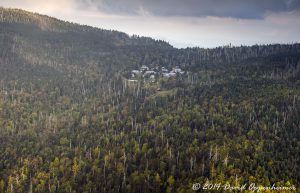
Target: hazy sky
(203,23)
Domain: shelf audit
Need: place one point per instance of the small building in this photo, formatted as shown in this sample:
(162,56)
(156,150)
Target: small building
(177,70)
(168,75)
(144,68)
(164,70)
(172,74)
(149,72)
(136,72)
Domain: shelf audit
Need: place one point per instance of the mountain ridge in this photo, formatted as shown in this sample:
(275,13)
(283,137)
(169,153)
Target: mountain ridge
(48,23)
(27,17)
(93,111)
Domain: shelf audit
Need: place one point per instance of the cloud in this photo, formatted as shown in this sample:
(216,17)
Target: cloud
(204,23)
(46,7)
(242,9)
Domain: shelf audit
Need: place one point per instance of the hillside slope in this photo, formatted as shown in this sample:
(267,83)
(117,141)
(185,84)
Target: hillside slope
(73,118)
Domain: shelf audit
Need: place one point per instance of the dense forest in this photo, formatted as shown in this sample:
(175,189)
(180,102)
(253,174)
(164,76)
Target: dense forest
(70,121)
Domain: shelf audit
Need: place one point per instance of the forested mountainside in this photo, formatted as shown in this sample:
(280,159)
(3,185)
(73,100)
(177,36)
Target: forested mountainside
(72,121)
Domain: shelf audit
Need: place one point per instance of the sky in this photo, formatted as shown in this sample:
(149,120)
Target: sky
(182,23)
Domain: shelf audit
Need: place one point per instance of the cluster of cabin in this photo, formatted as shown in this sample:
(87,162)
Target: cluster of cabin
(153,73)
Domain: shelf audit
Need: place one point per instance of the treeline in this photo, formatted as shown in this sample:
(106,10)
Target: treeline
(70,121)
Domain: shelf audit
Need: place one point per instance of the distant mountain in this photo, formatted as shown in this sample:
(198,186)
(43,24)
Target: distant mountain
(37,39)
(84,109)
(41,40)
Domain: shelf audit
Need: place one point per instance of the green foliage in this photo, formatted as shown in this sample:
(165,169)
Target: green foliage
(69,122)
